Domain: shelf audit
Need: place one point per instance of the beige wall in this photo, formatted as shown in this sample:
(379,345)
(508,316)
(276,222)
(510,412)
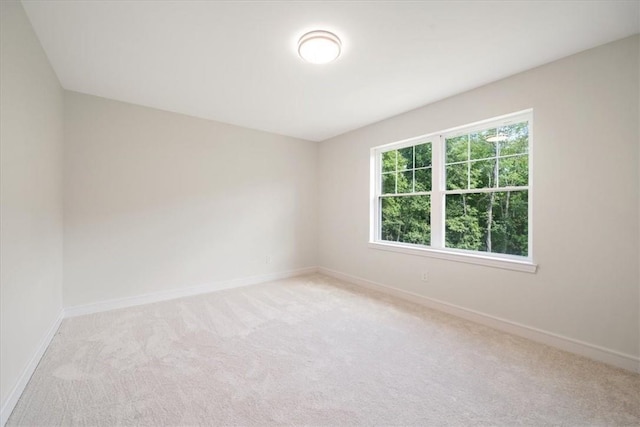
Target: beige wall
(585,212)
(30,195)
(160,201)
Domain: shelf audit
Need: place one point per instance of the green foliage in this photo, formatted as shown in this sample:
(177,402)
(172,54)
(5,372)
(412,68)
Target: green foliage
(494,221)
(407,219)
(469,217)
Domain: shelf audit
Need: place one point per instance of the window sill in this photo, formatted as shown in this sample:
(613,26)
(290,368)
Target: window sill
(470,258)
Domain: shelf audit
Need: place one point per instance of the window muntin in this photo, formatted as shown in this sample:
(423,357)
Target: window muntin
(466,190)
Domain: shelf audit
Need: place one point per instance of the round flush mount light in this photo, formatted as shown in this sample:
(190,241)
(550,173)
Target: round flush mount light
(498,138)
(319,47)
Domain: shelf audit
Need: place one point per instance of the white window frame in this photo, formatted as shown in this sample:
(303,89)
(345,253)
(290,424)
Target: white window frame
(437,249)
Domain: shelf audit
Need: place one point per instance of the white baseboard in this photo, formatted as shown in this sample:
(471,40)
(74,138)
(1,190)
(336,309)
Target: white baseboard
(81,310)
(14,395)
(608,356)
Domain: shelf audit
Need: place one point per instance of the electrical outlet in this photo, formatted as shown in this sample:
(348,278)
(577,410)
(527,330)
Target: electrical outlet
(424,276)
(267,259)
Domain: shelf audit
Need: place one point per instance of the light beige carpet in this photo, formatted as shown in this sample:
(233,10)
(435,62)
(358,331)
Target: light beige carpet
(311,351)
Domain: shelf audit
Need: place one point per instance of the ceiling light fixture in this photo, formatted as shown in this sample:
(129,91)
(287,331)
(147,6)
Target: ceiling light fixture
(498,138)
(319,47)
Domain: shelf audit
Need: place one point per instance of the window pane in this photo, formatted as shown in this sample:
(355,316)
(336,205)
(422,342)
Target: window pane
(457,149)
(514,171)
(517,139)
(457,176)
(405,182)
(423,179)
(423,155)
(483,174)
(479,146)
(389,183)
(406,219)
(489,222)
(405,158)
(389,161)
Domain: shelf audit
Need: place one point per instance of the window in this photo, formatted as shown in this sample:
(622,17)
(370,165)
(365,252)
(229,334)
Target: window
(462,194)
(405,202)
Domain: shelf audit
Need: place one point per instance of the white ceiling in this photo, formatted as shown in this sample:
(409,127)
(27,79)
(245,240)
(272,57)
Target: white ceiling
(236,62)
